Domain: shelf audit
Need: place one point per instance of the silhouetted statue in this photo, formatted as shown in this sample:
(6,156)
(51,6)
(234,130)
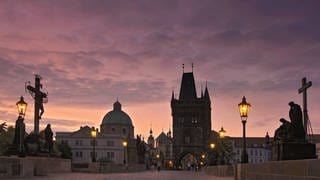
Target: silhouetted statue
(141,150)
(284,132)
(19,132)
(295,115)
(49,137)
(291,131)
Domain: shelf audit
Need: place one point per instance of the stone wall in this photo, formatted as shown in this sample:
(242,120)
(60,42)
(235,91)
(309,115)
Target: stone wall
(226,170)
(32,166)
(112,168)
(294,169)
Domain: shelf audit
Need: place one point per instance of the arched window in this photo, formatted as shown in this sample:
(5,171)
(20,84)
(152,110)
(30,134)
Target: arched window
(124,131)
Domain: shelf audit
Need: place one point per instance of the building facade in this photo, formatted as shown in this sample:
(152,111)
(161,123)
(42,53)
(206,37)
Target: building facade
(257,149)
(191,116)
(116,127)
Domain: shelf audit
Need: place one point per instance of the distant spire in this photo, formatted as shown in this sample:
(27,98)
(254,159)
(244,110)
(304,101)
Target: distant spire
(117,106)
(206,92)
(151,130)
(172,97)
(188,87)
(191,67)
(201,91)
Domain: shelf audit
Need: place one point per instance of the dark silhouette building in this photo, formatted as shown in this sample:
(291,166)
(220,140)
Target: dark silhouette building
(191,117)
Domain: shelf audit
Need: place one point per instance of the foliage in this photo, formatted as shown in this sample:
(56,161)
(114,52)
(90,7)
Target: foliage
(6,138)
(227,153)
(3,127)
(65,150)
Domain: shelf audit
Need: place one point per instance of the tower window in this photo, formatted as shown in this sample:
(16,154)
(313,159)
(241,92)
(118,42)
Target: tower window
(124,131)
(113,130)
(181,120)
(187,139)
(194,120)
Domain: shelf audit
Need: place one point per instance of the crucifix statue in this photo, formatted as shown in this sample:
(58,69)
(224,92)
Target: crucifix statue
(39,98)
(303,89)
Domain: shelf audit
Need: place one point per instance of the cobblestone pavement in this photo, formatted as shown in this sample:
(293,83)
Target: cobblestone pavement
(146,175)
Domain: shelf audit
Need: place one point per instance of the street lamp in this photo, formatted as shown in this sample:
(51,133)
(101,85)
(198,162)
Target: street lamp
(211,154)
(22,107)
(222,133)
(124,144)
(244,109)
(20,126)
(158,161)
(212,146)
(93,135)
(203,156)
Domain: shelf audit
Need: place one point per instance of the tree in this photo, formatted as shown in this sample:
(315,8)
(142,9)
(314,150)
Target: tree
(65,150)
(3,127)
(6,138)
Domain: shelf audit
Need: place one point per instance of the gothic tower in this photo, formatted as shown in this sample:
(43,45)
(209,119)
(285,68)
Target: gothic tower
(191,116)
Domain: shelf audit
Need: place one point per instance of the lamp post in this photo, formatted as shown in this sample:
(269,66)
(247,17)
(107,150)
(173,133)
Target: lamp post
(222,133)
(20,126)
(22,107)
(244,109)
(211,157)
(124,144)
(212,146)
(158,162)
(93,135)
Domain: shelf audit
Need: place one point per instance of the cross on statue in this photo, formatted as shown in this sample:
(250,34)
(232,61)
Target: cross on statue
(38,101)
(303,89)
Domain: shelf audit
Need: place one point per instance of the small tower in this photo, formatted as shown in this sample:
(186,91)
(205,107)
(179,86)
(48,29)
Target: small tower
(191,118)
(151,139)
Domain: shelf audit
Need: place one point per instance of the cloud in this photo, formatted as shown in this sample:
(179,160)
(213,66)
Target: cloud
(90,53)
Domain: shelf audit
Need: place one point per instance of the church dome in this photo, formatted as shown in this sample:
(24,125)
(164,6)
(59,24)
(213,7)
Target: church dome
(117,116)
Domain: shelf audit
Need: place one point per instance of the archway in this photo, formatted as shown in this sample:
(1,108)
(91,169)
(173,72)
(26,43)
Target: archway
(188,161)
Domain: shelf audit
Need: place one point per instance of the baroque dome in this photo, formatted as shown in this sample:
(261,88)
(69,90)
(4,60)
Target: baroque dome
(117,116)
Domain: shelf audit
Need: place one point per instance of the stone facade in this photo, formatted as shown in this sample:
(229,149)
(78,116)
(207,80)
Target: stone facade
(257,149)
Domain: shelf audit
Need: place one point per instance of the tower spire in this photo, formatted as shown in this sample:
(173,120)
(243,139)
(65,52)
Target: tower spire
(182,67)
(191,67)
(150,130)
(206,92)
(201,91)
(172,96)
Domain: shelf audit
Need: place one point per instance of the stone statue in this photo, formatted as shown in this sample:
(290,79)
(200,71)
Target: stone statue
(295,115)
(284,132)
(141,150)
(291,131)
(49,137)
(19,132)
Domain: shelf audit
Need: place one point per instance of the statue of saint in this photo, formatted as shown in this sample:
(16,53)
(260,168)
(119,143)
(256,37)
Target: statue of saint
(49,137)
(291,131)
(284,132)
(295,115)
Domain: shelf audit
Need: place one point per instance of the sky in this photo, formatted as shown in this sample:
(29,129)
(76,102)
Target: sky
(91,52)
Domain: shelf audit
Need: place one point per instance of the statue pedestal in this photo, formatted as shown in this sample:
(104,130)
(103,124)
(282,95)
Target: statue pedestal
(293,150)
